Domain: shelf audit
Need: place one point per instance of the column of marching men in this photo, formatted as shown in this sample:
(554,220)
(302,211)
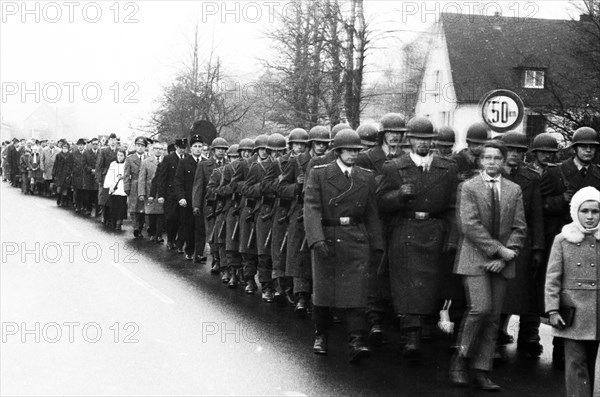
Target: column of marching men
(363,227)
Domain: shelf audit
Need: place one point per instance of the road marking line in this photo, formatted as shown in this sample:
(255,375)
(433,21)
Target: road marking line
(154,291)
(44,207)
(69,228)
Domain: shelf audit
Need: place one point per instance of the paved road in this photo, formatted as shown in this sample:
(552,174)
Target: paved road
(87,311)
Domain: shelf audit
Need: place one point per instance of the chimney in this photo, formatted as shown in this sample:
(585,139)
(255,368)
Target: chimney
(585,18)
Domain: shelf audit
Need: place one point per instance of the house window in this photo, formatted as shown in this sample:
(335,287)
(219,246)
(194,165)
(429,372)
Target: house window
(534,79)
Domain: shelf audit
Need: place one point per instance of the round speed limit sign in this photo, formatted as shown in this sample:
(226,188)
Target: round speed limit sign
(502,110)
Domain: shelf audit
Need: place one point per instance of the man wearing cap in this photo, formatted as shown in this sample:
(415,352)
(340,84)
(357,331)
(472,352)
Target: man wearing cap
(194,233)
(557,187)
(78,179)
(47,163)
(205,213)
(467,159)
(165,180)
(343,231)
(417,194)
(105,158)
(153,209)
(135,205)
(525,293)
(90,157)
(543,148)
(290,187)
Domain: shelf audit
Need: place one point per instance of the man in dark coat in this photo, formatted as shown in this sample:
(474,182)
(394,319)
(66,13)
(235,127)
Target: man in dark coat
(525,293)
(205,168)
(90,184)
(165,181)
(135,205)
(105,158)
(78,181)
(467,160)
(194,233)
(12,157)
(343,231)
(557,187)
(417,194)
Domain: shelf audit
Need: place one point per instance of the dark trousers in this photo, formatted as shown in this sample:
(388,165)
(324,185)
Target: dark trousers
(80,198)
(302,286)
(234,260)
(250,265)
(92,200)
(155,224)
(355,319)
(175,229)
(24,183)
(138,219)
(193,231)
(479,331)
(580,360)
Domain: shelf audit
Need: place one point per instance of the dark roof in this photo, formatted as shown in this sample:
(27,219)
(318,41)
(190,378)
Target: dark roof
(490,52)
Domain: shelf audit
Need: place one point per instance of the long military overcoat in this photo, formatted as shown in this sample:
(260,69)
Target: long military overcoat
(133,162)
(341,279)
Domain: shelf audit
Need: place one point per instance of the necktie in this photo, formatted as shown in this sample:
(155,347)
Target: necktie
(583,171)
(495,210)
(347,174)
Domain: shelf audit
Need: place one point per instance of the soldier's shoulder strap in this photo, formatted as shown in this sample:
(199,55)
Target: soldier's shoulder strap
(367,170)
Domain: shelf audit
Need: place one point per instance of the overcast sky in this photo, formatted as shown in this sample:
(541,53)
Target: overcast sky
(122,53)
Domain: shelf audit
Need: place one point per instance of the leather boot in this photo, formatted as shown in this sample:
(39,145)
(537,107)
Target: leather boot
(459,371)
(481,381)
(234,280)
(320,346)
(357,347)
(225,276)
(412,348)
(301,305)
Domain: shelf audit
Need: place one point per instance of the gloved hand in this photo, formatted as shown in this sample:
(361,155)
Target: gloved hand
(320,248)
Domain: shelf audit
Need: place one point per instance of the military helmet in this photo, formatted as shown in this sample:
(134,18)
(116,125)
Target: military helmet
(246,144)
(393,122)
(233,150)
(446,136)
(420,127)
(515,140)
(319,133)
(544,142)
(478,133)
(219,143)
(347,139)
(585,136)
(276,142)
(261,142)
(298,135)
(368,133)
(337,128)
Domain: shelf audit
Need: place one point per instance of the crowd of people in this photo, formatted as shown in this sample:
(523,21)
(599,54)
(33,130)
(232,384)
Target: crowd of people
(353,226)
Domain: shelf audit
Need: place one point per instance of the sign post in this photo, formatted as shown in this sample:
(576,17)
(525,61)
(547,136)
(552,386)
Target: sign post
(501,110)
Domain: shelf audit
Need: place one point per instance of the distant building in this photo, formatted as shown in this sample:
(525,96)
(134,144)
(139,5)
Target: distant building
(44,123)
(472,55)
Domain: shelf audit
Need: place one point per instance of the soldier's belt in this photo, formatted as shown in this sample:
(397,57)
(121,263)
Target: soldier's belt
(421,216)
(344,221)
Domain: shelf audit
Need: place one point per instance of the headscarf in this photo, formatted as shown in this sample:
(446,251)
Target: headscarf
(574,231)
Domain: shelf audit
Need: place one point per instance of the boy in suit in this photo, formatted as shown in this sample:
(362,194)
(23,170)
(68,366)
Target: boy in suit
(492,222)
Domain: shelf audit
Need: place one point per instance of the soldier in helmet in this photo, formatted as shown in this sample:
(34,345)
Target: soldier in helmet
(557,187)
(544,148)
(468,159)
(205,214)
(230,258)
(297,143)
(263,192)
(445,141)
(417,194)
(524,294)
(135,206)
(343,231)
(291,188)
(194,234)
(368,133)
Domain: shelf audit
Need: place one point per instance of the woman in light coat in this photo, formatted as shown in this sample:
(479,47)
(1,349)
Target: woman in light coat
(572,281)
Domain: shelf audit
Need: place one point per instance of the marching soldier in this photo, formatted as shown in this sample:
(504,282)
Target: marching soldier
(417,192)
(467,159)
(165,178)
(343,230)
(90,157)
(135,205)
(217,236)
(290,188)
(230,189)
(193,226)
(204,212)
(557,187)
(249,208)
(445,142)
(525,293)
(105,158)
(258,189)
(297,142)
(544,148)
(393,128)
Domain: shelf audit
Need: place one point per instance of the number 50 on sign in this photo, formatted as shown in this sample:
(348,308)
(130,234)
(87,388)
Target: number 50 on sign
(502,110)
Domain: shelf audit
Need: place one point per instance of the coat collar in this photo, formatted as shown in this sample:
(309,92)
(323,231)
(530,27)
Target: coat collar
(573,235)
